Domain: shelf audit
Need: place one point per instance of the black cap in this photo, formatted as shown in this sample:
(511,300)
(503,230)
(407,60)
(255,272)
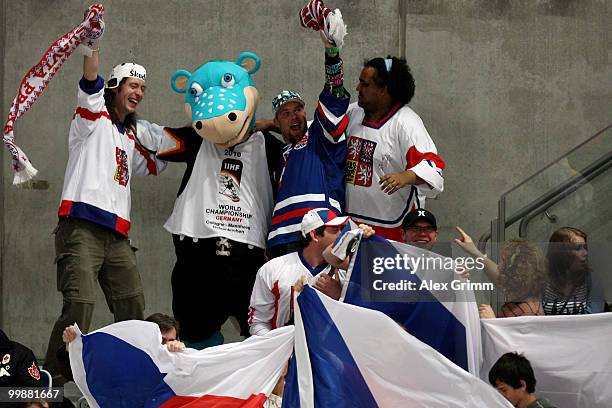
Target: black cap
(418,215)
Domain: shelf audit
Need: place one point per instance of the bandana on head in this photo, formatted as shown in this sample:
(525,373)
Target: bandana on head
(284,97)
(37,78)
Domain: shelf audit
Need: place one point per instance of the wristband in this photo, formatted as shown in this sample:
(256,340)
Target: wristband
(332,51)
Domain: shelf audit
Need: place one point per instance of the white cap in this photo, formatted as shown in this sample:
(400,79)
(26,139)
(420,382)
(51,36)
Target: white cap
(125,70)
(319,217)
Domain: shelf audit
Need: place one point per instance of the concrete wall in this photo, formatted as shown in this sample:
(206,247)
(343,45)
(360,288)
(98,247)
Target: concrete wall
(503,87)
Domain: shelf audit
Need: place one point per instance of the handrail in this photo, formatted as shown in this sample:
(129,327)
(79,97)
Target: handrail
(558,160)
(593,170)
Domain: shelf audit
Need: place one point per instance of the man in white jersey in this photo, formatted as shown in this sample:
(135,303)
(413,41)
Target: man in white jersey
(91,241)
(272,296)
(392,163)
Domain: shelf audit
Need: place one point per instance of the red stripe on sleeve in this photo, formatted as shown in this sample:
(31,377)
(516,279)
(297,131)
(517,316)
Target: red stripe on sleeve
(89,115)
(340,128)
(291,302)
(276,294)
(150,162)
(251,315)
(414,157)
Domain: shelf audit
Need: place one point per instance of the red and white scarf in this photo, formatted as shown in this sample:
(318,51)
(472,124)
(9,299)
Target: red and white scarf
(37,78)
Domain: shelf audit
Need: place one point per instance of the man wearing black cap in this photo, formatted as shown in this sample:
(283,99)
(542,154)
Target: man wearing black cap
(420,229)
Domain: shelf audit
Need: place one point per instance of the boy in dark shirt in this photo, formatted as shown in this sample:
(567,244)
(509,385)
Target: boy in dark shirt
(513,377)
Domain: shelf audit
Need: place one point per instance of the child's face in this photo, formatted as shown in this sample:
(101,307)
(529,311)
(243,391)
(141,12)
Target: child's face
(169,335)
(514,395)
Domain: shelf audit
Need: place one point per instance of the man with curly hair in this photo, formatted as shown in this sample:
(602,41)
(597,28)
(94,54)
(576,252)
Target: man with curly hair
(392,163)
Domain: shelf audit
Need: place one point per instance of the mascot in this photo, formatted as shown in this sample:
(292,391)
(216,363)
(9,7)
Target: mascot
(224,203)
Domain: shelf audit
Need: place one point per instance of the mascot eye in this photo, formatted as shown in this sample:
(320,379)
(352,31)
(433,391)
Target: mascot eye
(228,81)
(195,90)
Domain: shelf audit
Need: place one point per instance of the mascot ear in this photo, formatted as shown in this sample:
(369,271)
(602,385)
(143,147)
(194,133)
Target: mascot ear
(179,81)
(249,61)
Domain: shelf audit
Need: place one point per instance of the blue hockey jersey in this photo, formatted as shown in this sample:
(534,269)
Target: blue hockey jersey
(311,173)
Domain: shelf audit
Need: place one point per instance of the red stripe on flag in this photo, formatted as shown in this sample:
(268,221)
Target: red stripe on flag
(214,401)
(89,115)
(414,157)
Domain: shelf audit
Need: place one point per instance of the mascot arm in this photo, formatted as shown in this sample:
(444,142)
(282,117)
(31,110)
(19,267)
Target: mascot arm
(274,149)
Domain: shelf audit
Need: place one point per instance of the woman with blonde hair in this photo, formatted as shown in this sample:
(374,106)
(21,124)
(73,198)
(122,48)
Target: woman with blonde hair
(521,274)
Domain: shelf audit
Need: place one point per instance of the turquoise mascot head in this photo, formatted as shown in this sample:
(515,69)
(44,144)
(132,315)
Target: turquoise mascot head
(220,98)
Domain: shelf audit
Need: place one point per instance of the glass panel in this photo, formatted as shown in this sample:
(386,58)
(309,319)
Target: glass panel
(586,205)
(574,164)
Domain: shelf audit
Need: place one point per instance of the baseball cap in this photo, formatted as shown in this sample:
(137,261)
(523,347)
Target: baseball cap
(319,217)
(284,97)
(125,70)
(418,215)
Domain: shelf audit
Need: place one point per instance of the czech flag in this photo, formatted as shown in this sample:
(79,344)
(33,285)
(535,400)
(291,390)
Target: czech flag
(423,293)
(348,356)
(125,365)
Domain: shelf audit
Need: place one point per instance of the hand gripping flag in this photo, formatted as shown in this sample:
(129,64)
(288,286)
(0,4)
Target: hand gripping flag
(570,355)
(125,365)
(348,356)
(37,78)
(445,318)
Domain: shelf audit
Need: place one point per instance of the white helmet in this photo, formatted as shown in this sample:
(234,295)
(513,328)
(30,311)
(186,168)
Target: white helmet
(125,70)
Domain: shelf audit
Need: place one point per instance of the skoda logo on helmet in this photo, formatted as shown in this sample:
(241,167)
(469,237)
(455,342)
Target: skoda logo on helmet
(136,74)
(125,70)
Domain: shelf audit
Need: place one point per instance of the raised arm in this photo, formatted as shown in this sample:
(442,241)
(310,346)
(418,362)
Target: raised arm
(91,66)
(466,243)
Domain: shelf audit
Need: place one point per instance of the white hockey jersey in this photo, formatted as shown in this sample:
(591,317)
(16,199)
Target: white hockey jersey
(398,142)
(225,192)
(272,296)
(102,159)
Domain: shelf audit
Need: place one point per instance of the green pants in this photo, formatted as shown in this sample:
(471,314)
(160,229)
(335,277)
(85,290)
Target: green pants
(86,253)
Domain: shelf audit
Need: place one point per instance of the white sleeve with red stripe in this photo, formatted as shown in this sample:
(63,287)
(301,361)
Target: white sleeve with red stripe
(261,310)
(90,108)
(421,155)
(149,138)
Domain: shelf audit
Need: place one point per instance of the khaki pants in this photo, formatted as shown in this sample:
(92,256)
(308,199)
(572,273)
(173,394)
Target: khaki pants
(86,253)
